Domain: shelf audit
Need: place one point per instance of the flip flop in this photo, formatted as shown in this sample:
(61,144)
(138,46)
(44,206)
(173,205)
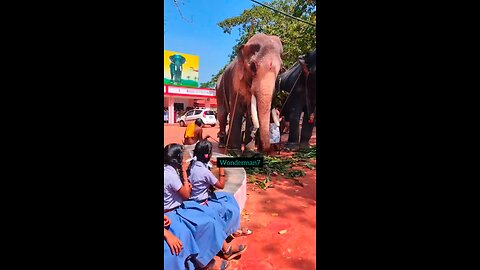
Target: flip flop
(242,232)
(217,265)
(230,255)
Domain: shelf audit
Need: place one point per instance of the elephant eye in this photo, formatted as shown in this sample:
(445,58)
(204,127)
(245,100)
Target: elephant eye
(253,67)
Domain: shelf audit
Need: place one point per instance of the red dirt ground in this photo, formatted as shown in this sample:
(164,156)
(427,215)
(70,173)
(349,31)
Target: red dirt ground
(287,207)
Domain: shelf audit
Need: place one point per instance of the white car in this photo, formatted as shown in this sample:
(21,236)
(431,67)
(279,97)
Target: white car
(207,116)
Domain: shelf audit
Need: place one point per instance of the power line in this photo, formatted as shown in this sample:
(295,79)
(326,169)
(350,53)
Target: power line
(283,13)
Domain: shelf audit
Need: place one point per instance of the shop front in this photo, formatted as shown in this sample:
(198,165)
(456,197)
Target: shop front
(179,99)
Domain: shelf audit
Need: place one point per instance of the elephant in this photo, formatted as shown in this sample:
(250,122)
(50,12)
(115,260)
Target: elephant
(245,89)
(300,83)
(176,62)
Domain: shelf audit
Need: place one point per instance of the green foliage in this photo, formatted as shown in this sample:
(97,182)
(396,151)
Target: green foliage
(280,98)
(281,165)
(295,173)
(306,153)
(297,37)
(207,85)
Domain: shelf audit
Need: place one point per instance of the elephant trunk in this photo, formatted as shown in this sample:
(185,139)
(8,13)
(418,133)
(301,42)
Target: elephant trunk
(263,98)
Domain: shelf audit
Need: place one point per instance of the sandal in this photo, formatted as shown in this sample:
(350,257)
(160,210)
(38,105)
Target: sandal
(230,255)
(242,232)
(217,265)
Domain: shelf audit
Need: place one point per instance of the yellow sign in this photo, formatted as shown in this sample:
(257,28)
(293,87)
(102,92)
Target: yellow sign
(180,69)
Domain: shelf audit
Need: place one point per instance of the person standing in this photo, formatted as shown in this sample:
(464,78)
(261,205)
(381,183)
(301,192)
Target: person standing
(275,129)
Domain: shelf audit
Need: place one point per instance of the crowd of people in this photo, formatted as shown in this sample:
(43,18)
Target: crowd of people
(199,224)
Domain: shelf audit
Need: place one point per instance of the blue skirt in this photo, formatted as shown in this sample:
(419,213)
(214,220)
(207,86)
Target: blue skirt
(227,208)
(206,227)
(189,250)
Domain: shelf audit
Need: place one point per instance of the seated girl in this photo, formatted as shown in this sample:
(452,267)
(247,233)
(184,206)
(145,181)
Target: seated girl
(201,178)
(179,246)
(203,223)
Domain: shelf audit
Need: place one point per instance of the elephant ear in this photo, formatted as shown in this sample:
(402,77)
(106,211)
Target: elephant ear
(171,58)
(245,53)
(182,60)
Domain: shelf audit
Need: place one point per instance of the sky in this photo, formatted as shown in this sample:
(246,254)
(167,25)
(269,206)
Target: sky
(201,35)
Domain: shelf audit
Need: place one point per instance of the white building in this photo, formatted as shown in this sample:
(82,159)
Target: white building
(179,98)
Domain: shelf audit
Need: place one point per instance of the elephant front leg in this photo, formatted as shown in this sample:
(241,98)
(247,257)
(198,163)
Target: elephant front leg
(249,141)
(293,135)
(251,137)
(234,139)
(222,114)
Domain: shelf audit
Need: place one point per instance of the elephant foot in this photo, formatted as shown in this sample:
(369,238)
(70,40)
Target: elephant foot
(235,152)
(221,140)
(250,146)
(304,145)
(276,147)
(252,154)
(291,146)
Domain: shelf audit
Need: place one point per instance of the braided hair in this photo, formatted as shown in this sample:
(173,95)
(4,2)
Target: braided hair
(173,156)
(201,153)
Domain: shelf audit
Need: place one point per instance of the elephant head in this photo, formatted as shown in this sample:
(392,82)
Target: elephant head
(177,59)
(177,62)
(259,62)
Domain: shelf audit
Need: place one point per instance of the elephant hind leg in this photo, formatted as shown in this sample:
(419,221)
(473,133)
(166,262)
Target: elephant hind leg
(234,130)
(222,114)
(293,134)
(222,120)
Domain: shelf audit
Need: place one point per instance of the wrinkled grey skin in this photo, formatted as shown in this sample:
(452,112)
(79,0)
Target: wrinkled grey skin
(302,98)
(252,72)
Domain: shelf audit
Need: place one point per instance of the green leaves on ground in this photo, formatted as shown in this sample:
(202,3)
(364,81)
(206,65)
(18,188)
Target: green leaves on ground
(273,165)
(295,173)
(263,184)
(306,153)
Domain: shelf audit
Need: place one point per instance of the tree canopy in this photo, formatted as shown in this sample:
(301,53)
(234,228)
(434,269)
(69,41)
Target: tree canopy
(297,37)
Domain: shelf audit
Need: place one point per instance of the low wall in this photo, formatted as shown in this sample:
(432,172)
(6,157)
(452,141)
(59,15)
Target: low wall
(235,182)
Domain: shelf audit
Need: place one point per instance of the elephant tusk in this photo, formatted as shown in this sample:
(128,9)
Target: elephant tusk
(275,117)
(256,124)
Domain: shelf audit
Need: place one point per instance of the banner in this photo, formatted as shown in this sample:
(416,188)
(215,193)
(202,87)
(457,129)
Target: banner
(180,69)
(191,91)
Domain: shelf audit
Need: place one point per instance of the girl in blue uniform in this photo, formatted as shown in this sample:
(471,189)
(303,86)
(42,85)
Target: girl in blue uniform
(224,203)
(179,246)
(207,229)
